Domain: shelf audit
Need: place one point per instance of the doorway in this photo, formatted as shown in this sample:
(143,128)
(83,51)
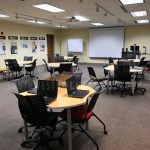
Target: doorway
(50,47)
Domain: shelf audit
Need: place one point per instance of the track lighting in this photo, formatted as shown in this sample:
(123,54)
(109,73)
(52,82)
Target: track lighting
(97,8)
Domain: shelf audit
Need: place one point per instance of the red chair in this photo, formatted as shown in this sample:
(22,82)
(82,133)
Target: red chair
(82,114)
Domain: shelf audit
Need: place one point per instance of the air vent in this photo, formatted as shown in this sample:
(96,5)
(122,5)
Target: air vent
(123,8)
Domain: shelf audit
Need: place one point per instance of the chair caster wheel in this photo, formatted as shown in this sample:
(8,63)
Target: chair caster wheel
(105,132)
(20,130)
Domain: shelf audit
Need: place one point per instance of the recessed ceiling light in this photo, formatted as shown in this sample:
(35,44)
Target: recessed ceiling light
(139,13)
(81,18)
(97,24)
(38,22)
(143,21)
(48,8)
(127,2)
(3,16)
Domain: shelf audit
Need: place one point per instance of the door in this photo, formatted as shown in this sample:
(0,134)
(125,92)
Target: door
(50,47)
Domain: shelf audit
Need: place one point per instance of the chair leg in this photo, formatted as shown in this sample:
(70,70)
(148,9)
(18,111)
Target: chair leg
(105,131)
(97,147)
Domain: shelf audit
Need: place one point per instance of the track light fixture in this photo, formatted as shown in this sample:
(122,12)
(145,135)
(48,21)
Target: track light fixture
(97,8)
(80,1)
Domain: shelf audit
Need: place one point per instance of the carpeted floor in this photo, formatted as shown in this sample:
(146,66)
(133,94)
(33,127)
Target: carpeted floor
(127,119)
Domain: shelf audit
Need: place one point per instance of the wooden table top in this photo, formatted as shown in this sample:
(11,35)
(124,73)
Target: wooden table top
(57,64)
(3,69)
(133,70)
(23,62)
(64,101)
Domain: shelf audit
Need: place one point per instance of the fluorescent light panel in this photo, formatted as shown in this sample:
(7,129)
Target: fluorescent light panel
(143,21)
(3,16)
(48,7)
(81,18)
(139,13)
(38,22)
(97,24)
(127,2)
(61,26)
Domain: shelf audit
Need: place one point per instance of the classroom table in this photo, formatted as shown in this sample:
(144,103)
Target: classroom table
(134,70)
(57,65)
(24,63)
(69,58)
(63,101)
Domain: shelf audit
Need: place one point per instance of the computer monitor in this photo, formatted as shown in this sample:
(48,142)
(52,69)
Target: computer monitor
(137,48)
(132,48)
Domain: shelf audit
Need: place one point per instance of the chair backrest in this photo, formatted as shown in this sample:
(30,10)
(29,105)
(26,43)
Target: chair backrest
(65,68)
(110,60)
(92,73)
(57,55)
(61,58)
(141,63)
(122,72)
(47,88)
(7,64)
(33,109)
(45,64)
(91,104)
(105,71)
(78,76)
(74,57)
(34,63)
(76,60)
(24,84)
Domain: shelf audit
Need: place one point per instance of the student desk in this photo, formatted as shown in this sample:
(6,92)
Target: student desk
(66,102)
(24,63)
(135,70)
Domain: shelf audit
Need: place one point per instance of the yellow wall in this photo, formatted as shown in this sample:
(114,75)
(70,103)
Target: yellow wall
(139,35)
(13,29)
(133,34)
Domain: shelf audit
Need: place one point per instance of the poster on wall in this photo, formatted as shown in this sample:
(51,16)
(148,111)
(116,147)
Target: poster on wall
(42,44)
(24,42)
(13,44)
(2,45)
(34,44)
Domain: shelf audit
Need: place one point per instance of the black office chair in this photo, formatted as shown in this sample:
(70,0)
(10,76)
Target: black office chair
(74,58)
(93,78)
(81,114)
(14,68)
(61,58)
(76,62)
(34,111)
(24,84)
(49,69)
(65,68)
(78,76)
(141,63)
(110,60)
(110,77)
(31,68)
(122,74)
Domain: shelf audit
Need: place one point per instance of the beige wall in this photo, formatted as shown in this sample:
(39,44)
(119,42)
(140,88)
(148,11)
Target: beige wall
(13,29)
(139,35)
(133,34)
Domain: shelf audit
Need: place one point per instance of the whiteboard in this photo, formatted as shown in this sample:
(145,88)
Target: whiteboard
(75,45)
(106,42)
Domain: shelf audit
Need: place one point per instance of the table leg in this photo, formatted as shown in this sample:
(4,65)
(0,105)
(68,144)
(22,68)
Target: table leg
(25,130)
(133,83)
(69,129)
(24,70)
